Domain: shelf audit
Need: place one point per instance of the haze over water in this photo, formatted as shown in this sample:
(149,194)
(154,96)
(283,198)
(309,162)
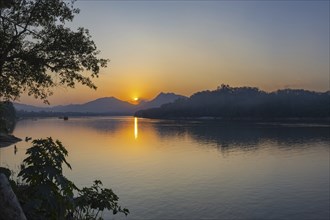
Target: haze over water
(194,169)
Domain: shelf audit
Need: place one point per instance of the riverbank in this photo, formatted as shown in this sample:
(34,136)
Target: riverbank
(7,140)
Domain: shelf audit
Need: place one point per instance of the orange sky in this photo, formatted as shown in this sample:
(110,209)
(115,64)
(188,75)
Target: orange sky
(184,47)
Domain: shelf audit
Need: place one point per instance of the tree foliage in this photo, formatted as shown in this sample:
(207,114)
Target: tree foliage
(38,51)
(45,193)
(7,117)
(93,200)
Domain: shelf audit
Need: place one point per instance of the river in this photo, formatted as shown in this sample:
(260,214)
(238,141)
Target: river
(196,169)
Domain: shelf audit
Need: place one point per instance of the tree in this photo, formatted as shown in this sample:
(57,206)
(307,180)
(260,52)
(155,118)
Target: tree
(38,52)
(7,117)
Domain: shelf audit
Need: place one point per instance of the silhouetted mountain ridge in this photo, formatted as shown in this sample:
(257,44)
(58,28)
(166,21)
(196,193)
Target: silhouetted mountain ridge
(103,105)
(160,99)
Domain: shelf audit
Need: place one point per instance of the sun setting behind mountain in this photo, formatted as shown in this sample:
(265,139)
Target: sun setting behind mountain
(186,109)
(109,105)
(135,100)
(184,47)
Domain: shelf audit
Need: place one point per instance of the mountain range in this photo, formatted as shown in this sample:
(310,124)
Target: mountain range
(106,105)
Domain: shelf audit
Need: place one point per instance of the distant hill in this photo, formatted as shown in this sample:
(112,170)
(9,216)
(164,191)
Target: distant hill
(246,102)
(28,108)
(101,105)
(160,99)
(106,105)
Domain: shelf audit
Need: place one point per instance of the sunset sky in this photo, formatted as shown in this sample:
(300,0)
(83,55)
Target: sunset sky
(188,46)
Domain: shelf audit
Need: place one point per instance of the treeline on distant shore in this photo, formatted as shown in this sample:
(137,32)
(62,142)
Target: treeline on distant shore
(246,102)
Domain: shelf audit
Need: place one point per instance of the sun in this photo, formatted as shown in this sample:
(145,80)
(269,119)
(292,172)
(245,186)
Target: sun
(135,100)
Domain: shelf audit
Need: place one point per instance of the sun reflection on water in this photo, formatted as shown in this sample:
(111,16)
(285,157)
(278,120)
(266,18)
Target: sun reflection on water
(135,127)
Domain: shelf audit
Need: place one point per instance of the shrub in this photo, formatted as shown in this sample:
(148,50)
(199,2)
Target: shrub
(45,193)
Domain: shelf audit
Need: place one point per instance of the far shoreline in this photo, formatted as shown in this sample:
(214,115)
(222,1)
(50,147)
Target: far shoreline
(305,120)
(296,120)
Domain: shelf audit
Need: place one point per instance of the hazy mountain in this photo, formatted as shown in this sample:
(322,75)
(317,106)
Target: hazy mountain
(29,108)
(160,99)
(101,105)
(104,105)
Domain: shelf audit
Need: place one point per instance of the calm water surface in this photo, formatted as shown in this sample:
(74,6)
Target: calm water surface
(194,169)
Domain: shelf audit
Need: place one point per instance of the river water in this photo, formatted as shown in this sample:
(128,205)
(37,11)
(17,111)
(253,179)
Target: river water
(197,169)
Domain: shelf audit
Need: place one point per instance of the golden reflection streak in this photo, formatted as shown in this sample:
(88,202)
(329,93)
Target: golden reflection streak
(135,127)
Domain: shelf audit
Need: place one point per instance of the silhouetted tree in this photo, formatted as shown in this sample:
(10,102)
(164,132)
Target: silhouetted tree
(7,117)
(38,51)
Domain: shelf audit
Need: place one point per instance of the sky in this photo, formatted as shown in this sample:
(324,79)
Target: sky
(189,46)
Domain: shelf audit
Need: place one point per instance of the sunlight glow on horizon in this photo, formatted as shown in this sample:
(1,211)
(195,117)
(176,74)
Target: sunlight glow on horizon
(189,46)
